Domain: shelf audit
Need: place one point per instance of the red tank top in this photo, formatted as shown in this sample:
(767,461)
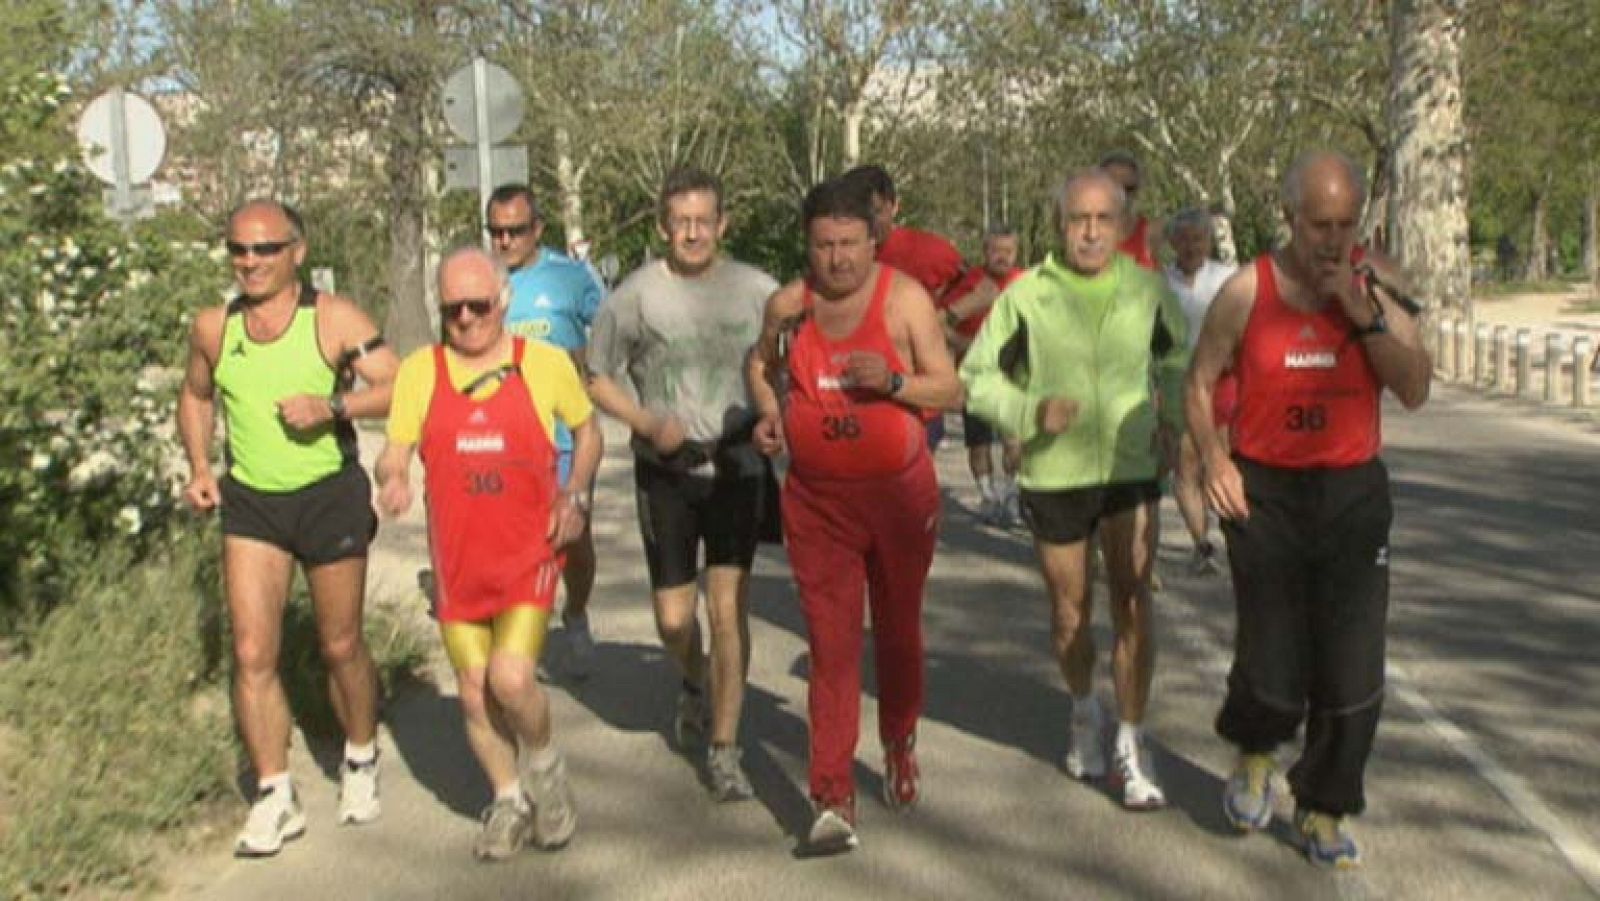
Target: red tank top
(1137,245)
(491,481)
(835,431)
(1308,396)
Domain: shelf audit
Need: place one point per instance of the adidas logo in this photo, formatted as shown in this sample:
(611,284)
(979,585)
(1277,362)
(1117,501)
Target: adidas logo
(478,417)
(1308,332)
(543,302)
(238,349)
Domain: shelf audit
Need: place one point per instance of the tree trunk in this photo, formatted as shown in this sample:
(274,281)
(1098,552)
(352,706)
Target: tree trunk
(1428,199)
(1222,223)
(854,115)
(1375,226)
(1591,232)
(408,325)
(1537,269)
(569,182)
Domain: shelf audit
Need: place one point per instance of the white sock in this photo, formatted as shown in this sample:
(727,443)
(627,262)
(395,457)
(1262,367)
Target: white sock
(542,759)
(361,754)
(277,784)
(513,793)
(1008,488)
(1128,738)
(986,487)
(1081,706)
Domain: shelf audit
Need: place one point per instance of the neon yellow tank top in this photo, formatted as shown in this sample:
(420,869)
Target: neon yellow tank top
(264,453)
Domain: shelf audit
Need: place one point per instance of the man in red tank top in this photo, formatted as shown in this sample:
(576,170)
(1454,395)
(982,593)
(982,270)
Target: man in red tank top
(848,356)
(1136,242)
(1314,339)
(965,308)
(481,409)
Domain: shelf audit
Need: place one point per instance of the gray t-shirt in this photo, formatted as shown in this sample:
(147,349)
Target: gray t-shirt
(682,342)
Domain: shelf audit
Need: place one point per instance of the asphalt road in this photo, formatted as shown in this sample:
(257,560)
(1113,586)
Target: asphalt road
(1483,784)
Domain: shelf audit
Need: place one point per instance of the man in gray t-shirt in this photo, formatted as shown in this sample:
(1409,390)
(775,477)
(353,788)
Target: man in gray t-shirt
(680,329)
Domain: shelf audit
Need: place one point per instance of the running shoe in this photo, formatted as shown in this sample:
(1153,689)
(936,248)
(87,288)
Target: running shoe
(358,792)
(505,831)
(900,773)
(1247,800)
(1327,843)
(273,820)
(555,815)
(1086,754)
(834,829)
(1204,561)
(1136,777)
(692,722)
(728,781)
(580,646)
(990,512)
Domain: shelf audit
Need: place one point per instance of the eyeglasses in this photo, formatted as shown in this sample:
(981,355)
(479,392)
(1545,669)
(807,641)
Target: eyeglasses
(509,231)
(480,307)
(260,249)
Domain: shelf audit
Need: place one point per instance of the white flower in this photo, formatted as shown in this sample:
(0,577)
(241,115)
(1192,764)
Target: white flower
(40,461)
(128,518)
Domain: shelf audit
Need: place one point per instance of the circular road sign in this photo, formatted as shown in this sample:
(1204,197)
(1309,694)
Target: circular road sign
(504,104)
(147,139)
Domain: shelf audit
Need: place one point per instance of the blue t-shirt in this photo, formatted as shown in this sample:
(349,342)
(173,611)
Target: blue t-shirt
(554,301)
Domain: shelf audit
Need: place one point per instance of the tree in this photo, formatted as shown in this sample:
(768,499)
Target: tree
(1429,199)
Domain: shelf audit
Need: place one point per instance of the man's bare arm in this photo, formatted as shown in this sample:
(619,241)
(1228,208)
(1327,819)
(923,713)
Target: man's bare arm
(1214,353)
(197,421)
(1397,354)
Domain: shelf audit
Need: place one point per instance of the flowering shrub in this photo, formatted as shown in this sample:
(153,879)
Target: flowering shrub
(93,326)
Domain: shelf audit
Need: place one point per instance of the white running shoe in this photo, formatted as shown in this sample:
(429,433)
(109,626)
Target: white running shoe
(358,792)
(833,831)
(273,820)
(1086,752)
(727,777)
(1137,779)
(580,647)
(504,833)
(555,815)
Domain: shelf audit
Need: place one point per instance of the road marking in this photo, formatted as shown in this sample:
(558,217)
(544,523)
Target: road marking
(1579,854)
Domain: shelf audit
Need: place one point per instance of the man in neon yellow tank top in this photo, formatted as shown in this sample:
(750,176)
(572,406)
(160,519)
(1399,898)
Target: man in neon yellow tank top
(280,357)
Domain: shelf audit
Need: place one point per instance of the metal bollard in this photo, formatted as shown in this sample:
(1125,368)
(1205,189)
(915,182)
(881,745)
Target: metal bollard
(1502,357)
(1480,354)
(1463,348)
(1582,380)
(1443,331)
(1524,386)
(1552,367)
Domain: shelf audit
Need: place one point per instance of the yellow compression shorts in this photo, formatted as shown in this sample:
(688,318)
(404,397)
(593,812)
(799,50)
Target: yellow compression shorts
(519,630)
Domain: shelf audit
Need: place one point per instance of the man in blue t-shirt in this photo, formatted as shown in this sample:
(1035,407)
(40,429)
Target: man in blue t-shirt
(553,299)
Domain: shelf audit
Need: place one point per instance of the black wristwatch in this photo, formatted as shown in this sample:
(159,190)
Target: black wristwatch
(896,382)
(336,407)
(1378,326)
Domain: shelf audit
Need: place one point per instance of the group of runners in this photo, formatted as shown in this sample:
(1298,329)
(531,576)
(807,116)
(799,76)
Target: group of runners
(1094,372)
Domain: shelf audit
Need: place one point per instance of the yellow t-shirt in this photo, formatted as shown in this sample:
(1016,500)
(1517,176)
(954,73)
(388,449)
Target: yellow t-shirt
(548,371)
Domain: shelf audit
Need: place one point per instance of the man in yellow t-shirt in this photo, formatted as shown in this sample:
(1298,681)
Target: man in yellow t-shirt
(481,409)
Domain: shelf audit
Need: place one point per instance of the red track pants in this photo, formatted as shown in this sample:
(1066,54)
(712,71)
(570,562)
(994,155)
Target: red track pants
(848,541)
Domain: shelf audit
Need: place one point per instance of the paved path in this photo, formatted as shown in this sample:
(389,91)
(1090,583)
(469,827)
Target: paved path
(1483,785)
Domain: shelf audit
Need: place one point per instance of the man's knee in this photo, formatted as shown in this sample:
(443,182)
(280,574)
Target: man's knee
(675,620)
(343,648)
(510,679)
(472,690)
(255,654)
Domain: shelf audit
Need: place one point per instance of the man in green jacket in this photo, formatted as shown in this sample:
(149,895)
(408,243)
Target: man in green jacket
(1083,359)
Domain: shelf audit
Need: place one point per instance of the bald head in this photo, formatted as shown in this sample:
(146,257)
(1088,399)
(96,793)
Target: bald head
(471,272)
(1325,173)
(273,212)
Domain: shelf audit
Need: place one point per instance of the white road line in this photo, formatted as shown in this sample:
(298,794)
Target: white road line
(1580,855)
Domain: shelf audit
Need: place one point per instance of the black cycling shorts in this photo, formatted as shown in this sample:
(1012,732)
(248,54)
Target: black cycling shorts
(678,512)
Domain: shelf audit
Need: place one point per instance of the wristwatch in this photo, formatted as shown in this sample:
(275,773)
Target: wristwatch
(896,382)
(1378,326)
(336,407)
(579,499)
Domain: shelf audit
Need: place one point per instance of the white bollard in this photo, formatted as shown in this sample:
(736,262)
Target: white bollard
(1463,349)
(1502,357)
(1582,380)
(1443,341)
(1480,355)
(1524,363)
(1552,367)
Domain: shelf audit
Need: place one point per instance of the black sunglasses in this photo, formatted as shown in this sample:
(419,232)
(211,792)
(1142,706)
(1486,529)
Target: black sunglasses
(261,249)
(480,307)
(510,231)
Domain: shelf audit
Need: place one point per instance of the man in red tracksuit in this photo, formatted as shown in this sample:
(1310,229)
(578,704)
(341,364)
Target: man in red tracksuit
(848,356)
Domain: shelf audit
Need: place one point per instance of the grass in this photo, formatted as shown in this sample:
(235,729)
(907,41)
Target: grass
(115,731)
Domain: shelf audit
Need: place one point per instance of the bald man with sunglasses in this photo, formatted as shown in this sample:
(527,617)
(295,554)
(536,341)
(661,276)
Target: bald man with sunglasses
(282,356)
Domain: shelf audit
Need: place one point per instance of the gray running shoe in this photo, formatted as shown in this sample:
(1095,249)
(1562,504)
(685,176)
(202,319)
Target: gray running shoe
(273,820)
(1247,800)
(1086,753)
(692,721)
(505,831)
(580,647)
(1326,841)
(728,781)
(1204,561)
(555,815)
(358,792)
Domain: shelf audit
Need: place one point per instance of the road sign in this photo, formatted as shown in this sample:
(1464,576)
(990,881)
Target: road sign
(145,140)
(502,101)
(507,163)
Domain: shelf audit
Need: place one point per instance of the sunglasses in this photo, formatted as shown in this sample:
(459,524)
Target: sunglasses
(261,249)
(509,231)
(480,307)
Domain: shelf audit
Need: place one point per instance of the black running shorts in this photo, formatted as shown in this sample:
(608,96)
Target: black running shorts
(678,512)
(326,521)
(1070,515)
